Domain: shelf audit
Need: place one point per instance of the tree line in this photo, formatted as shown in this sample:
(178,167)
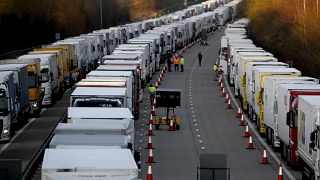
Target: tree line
(288,29)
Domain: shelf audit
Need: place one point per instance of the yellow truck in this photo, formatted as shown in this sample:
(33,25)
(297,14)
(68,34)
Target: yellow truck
(34,84)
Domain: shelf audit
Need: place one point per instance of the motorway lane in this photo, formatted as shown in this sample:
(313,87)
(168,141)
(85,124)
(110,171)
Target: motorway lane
(208,127)
(26,144)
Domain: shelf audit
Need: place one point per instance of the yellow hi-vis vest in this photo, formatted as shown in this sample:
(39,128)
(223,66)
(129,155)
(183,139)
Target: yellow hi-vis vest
(152,89)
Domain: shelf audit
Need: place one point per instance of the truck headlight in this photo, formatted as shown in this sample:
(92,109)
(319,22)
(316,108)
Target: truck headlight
(6,131)
(35,105)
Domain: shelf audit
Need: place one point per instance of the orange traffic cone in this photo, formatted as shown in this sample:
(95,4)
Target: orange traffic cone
(157,84)
(239,112)
(264,157)
(280,175)
(229,104)
(149,175)
(223,92)
(153,111)
(150,157)
(161,77)
(250,145)
(159,81)
(171,127)
(221,86)
(242,120)
(151,119)
(246,132)
(164,69)
(154,102)
(150,132)
(149,145)
(227,98)
(219,81)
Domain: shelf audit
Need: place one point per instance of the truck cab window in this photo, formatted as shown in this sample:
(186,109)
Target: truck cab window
(3,102)
(32,80)
(45,75)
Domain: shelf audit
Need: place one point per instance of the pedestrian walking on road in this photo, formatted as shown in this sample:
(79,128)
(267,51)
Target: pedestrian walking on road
(215,69)
(200,58)
(181,62)
(176,63)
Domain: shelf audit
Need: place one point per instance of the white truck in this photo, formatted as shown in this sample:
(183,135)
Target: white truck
(9,105)
(122,135)
(99,97)
(270,102)
(288,118)
(49,75)
(89,164)
(122,71)
(308,123)
(249,82)
(21,101)
(258,90)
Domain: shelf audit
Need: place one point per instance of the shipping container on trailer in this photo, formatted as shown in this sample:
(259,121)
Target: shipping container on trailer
(89,163)
(287,117)
(258,90)
(270,100)
(308,122)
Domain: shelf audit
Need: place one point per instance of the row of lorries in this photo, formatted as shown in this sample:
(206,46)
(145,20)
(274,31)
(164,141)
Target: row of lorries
(41,76)
(283,104)
(97,142)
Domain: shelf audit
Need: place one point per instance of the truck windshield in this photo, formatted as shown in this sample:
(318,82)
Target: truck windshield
(32,80)
(3,101)
(97,103)
(44,75)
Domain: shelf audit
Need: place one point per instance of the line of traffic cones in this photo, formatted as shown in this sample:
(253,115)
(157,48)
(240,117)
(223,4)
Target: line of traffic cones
(171,126)
(150,132)
(151,119)
(239,112)
(229,104)
(149,145)
(242,120)
(153,111)
(246,131)
(264,157)
(250,144)
(227,98)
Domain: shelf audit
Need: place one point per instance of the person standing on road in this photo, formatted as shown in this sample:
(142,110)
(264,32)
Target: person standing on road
(200,57)
(152,91)
(176,63)
(215,69)
(181,62)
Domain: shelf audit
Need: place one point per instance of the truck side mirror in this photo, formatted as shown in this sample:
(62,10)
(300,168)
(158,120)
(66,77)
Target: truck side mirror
(313,136)
(312,145)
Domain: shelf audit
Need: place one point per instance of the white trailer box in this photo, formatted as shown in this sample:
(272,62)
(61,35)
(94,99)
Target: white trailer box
(258,89)
(308,135)
(240,73)
(287,117)
(270,100)
(84,140)
(89,164)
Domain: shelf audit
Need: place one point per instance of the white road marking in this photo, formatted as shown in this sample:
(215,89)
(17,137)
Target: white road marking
(191,107)
(197,129)
(202,148)
(200,141)
(193,116)
(192,112)
(195,120)
(199,135)
(253,129)
(196,124)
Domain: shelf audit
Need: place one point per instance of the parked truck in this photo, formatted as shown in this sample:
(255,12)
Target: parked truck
(270,101)
(20,75)
(258,90)
(49,71)
(288,118)
(89,163)
(249,82)
(34,82)
(8,110)
(308,123)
